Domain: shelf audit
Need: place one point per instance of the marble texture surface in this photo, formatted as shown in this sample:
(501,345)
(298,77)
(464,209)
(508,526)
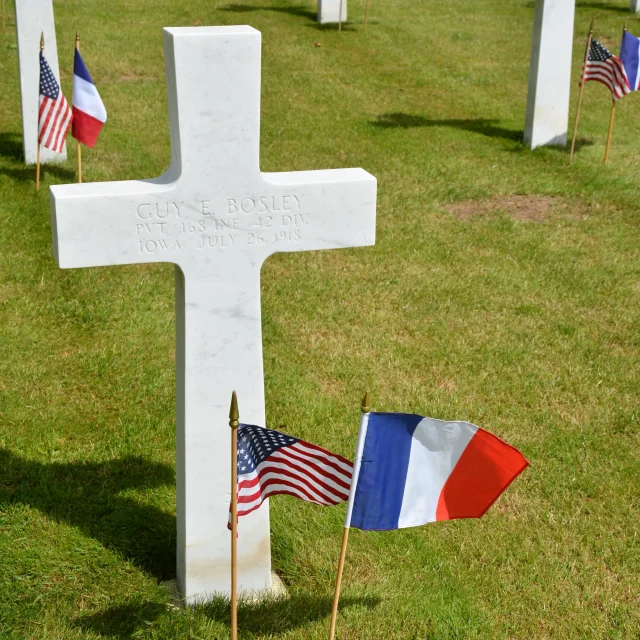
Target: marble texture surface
(217,217)
(34,17)
(329,11)
(547,118)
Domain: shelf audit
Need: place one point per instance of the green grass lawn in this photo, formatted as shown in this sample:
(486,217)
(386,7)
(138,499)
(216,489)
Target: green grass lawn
(522,319)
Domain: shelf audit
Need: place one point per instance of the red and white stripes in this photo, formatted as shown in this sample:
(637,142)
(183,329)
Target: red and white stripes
(54,120)
(301,470)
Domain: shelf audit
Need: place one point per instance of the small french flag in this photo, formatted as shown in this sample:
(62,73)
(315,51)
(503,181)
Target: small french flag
(410,470)
(89,113)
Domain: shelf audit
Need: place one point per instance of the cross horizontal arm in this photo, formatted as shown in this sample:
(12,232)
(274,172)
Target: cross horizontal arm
(212,228)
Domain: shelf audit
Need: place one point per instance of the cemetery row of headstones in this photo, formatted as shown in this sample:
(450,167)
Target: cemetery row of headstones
(547,112)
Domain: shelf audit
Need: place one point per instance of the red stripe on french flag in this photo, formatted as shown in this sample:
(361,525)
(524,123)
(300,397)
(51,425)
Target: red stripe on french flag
(485,469)
(86,128)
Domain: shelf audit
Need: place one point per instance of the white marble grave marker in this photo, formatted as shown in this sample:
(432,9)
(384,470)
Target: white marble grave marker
(329,11)
(547,119)
(217,217)
(634,5)
(33,18)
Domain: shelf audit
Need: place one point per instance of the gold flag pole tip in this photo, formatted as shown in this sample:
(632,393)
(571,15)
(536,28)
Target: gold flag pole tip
(366,403)
(234,414)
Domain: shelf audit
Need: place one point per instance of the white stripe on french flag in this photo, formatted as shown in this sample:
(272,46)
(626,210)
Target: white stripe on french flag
(89,113)
(410,470)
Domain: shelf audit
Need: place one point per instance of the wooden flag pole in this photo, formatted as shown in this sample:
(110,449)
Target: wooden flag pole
(366,14)
(336,595)
(38,157)
(234,421)
(340,17)
(613,113)
(38,169)
(364,408)
(78,141)
(584,64)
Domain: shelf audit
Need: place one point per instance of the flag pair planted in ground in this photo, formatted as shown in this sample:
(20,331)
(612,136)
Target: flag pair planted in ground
(85,117)
(409,470)
(619,74)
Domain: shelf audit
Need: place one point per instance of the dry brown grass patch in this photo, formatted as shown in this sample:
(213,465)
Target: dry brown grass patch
(533,208)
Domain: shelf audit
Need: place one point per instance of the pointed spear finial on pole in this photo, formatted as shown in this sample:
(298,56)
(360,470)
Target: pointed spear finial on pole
(234,414)
(366,403)
(42,41)
(77,40)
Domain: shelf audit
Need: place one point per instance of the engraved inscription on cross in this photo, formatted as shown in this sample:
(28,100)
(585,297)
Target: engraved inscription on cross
(217,217)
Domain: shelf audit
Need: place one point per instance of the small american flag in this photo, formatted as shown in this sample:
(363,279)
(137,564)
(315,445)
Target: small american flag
(606,68)
(54,116)
(270,462)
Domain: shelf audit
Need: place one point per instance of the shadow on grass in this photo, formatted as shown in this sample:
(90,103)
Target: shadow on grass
(254,618)
(282,614)
(301,12)
(605,6)
(28,174)
(87,495)
(580,143)
(122,621)
(333,26)
(484,126)
(11,146)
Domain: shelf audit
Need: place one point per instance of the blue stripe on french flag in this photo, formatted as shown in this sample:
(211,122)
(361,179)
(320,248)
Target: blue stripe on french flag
(411,470)
(630,56)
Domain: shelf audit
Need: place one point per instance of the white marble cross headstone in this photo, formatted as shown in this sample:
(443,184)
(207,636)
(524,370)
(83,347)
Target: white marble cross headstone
(547,119)
(33,18)
(217,217)
(329,11)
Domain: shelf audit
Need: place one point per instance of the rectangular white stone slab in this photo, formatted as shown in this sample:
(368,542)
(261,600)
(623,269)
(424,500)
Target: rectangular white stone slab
(634,5)
(547,118)
(217,217)
(329,11)
(34,17)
